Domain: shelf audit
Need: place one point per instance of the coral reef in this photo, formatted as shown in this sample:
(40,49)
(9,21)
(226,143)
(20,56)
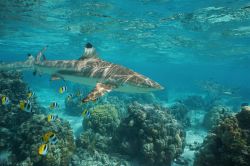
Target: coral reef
(150,134)
(94,142)
(99,129)
(21,132)
(228,144)
(194,102)
(73,106)
(215,115)
(104,119)
(84,158)
(30,134)
(244,119)
(13,86)
(180,112)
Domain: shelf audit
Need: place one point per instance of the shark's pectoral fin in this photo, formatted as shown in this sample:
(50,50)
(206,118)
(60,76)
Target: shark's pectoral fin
(100,90)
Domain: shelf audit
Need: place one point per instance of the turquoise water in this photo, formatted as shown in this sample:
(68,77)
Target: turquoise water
(188,40)
(181,44)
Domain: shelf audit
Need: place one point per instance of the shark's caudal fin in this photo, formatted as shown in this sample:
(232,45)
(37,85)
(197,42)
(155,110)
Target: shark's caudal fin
(19,66)
(98,91)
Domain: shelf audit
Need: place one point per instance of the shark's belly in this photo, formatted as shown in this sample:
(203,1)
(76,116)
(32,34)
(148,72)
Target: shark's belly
(45,70)
(81,80)
(132,89)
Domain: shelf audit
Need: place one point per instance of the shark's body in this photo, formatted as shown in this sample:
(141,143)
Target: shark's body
(93,71)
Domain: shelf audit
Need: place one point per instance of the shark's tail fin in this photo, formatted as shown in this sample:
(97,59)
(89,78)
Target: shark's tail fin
(40,56)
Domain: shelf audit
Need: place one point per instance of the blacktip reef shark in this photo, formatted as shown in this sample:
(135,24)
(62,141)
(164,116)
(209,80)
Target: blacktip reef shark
(88,70)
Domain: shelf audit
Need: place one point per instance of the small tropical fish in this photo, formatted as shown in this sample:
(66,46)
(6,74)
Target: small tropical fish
(70,96)
(52,118)
(5,100)
(25,106)
(43,149)
(86,114)
(227,93)
(30,94)
(62,89)
(54,105)
(78,93)
(50,137)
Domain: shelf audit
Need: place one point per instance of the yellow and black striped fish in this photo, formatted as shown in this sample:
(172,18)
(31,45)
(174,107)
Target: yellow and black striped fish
(25,105)
(43,149)
(30,94)
(69,97)
(54,105)
(86,114)
(52,118)
(62,89)
(5,100)
(50,137)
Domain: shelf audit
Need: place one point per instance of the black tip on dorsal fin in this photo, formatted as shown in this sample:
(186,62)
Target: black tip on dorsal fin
(88,45)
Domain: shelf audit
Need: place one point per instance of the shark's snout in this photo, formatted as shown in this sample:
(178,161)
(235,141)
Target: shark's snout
(148,84)
(159,87)
(156,86)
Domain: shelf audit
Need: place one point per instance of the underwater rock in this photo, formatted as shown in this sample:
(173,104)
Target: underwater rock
(84,158)
(215,115)
(194,102)
(180,111)
(244,119)
(150,134)
(94,142)
(227,144)
(29,138)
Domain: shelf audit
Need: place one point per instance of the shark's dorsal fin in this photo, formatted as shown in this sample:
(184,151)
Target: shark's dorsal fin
(100,90)
(89,52)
